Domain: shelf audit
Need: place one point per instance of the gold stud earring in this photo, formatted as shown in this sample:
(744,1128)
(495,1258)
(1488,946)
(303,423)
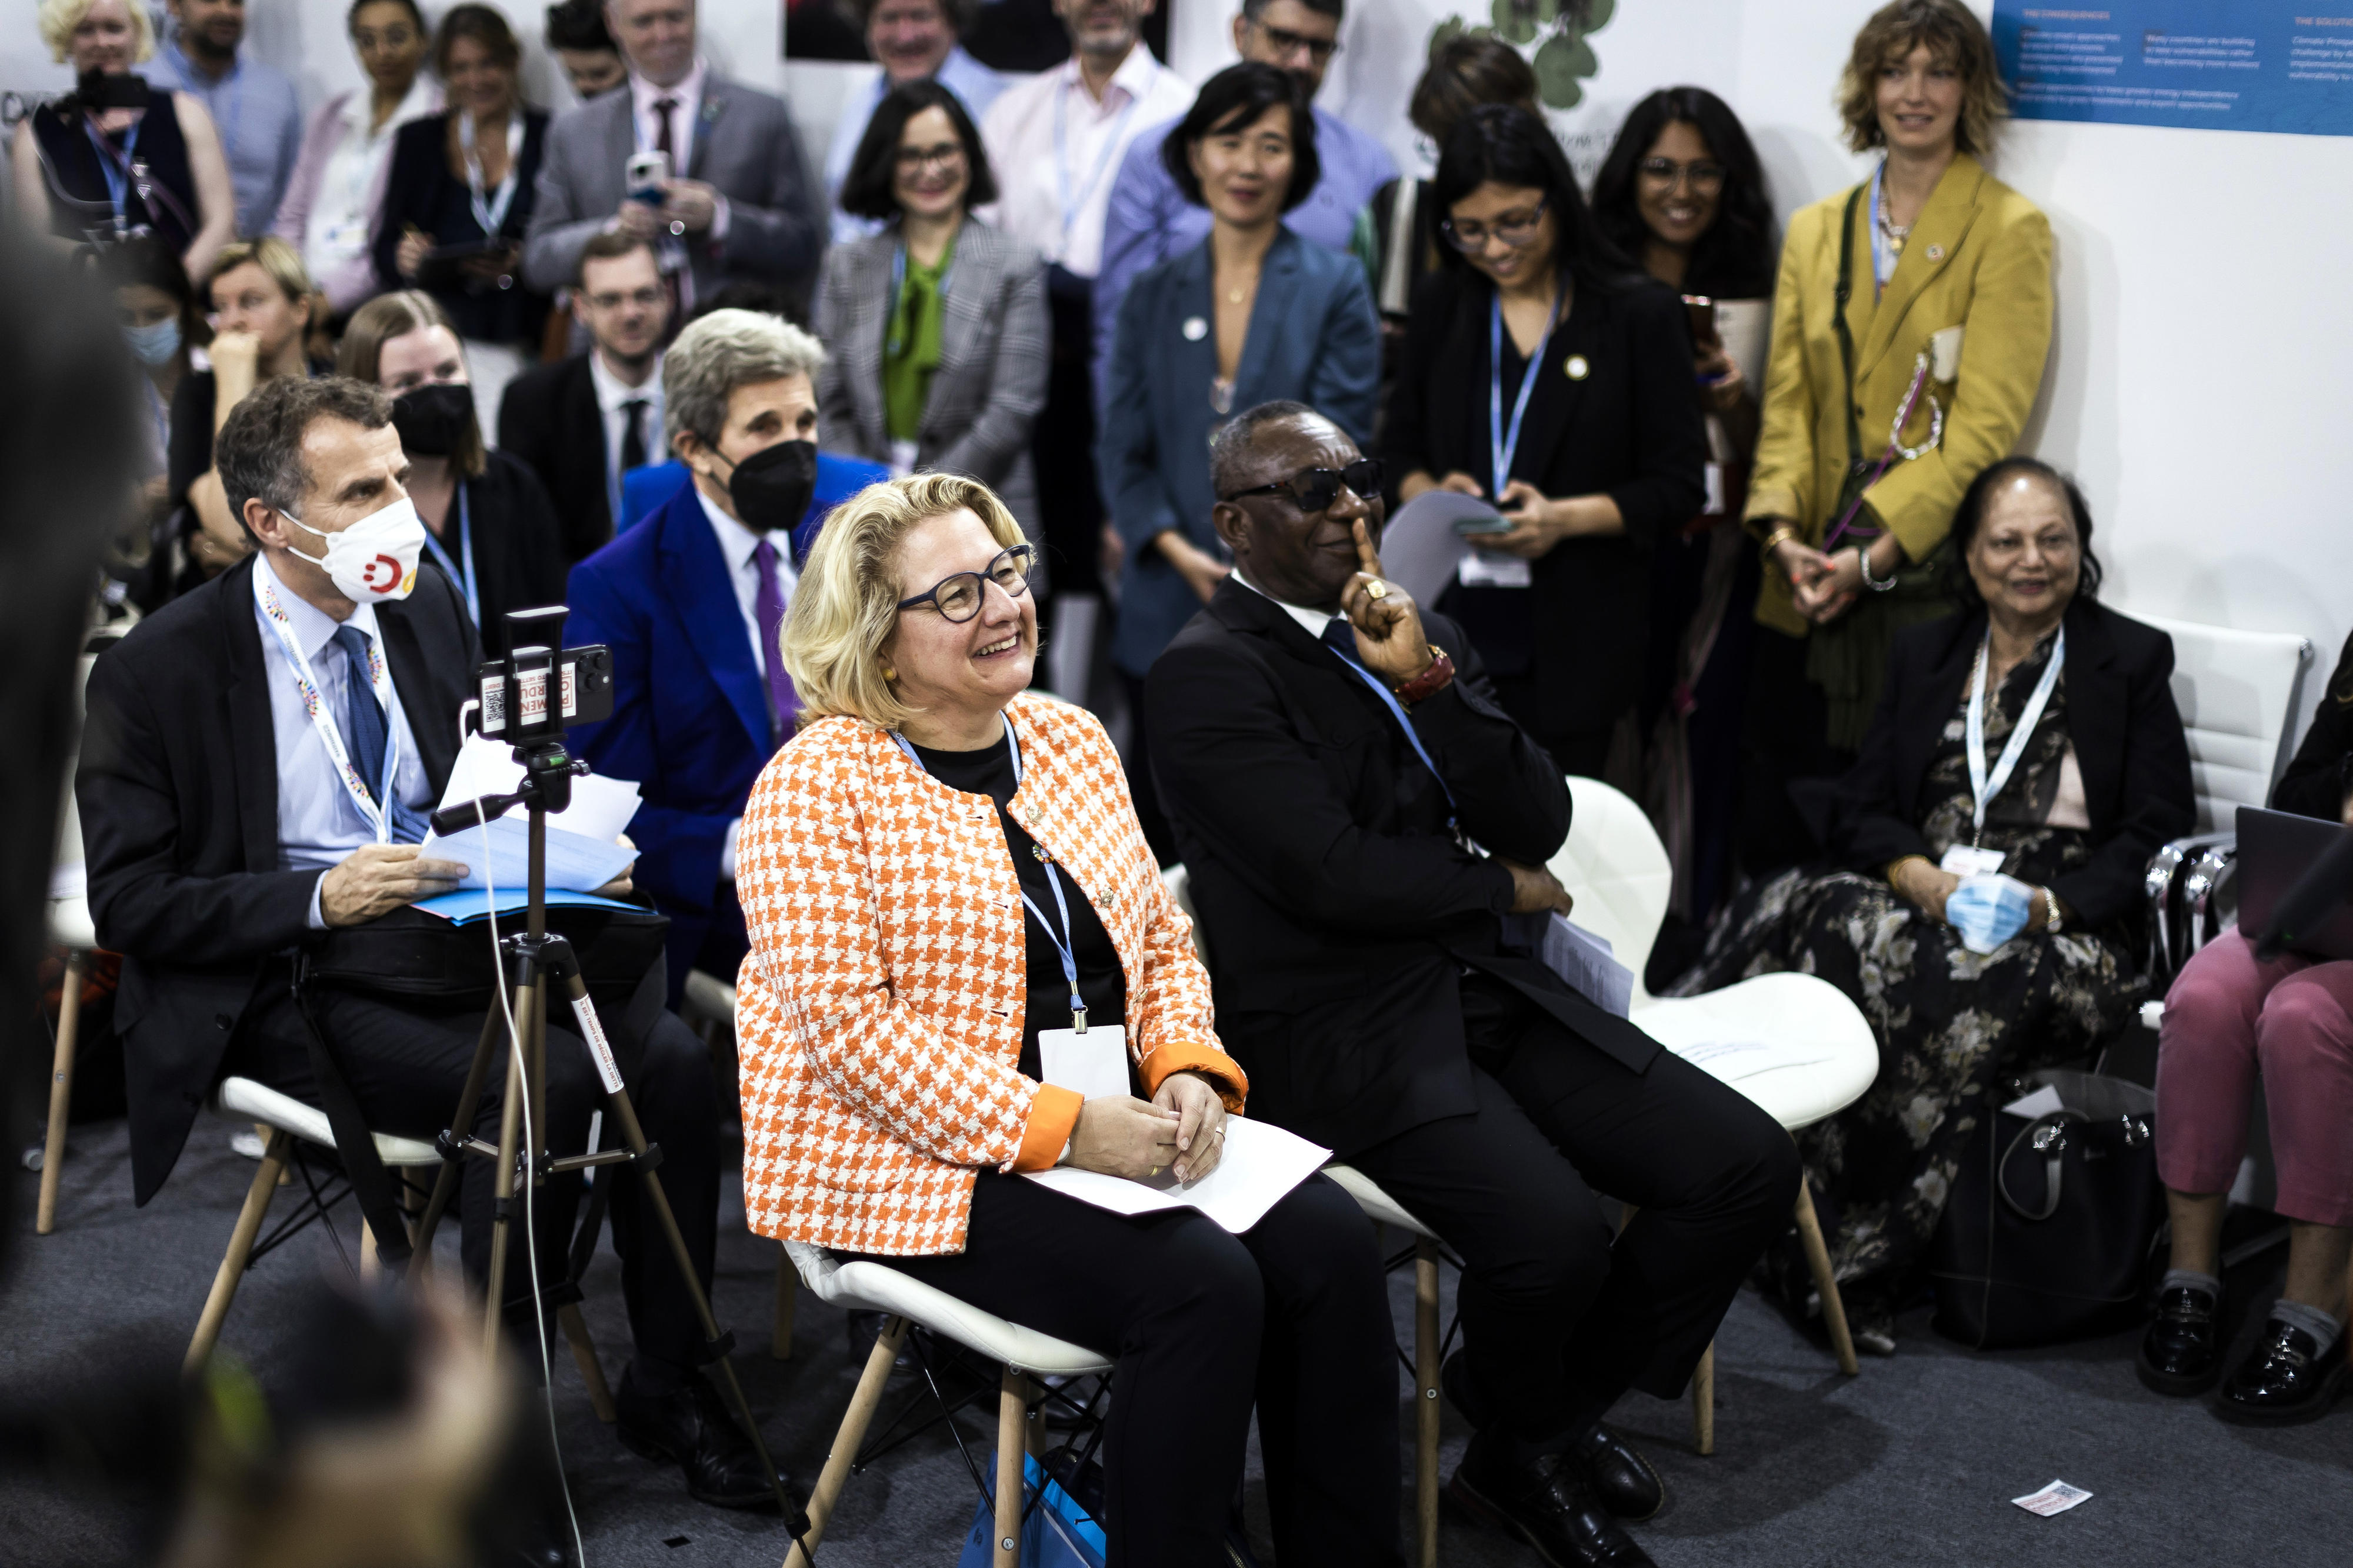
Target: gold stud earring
(889,673)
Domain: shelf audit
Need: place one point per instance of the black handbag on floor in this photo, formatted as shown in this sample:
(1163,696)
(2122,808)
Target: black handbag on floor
(2050,1227)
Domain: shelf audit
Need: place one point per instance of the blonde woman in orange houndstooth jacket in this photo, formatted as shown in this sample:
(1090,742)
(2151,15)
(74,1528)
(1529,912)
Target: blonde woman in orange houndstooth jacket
(932,871)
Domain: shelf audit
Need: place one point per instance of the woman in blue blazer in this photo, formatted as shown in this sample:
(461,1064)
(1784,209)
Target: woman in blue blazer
(1254,314)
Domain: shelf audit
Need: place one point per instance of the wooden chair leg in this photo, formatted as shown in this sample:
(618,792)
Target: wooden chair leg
(53,1152)
(1818,1258)
(788,1285)
(370,1265)
(850,1437)
(1012,1415)
(1426,1345)
(1033,1425)
(241,1249)
(584,1355)
(1704,1402)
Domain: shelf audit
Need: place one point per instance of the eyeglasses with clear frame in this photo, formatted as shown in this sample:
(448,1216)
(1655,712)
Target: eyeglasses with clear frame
(1514,230)
(958,597)
(1666,174)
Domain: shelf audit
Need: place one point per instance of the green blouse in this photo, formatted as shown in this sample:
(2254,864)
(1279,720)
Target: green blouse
(911,344)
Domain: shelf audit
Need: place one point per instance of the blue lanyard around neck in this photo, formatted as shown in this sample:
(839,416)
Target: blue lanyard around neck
(115,167)
(1504,444)
(464,579)
(1396,711)
(1063,946)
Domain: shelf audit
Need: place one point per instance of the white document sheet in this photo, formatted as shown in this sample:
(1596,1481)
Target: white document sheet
(600,809)
(1729,1061)
(1261,1163)
(575,862)
(1585,960)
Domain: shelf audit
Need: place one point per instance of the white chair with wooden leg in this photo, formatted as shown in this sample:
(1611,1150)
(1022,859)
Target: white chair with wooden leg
(1025,1353)
(709,1009)
(71,928)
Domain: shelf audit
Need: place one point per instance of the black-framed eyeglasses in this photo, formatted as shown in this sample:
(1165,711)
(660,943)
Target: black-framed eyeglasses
(1514,230)
(1287,43)
(958,598)
(946,155)
(1314,489)
(1668,173)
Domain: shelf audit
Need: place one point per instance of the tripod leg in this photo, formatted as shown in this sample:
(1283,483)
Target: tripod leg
(510,1141)
(445,1182)
(592,1371)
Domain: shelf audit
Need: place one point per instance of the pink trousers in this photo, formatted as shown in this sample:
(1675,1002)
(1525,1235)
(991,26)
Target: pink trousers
(2228,1017)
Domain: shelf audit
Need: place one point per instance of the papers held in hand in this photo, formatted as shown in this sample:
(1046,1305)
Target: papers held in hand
(581,854)
(1586,961)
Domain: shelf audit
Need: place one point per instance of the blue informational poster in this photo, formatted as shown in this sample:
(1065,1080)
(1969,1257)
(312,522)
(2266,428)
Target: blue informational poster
(2243,65)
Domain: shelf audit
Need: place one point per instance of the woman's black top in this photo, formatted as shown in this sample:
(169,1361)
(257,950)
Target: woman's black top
(1101,981)
(519,561)
(419,191)
(2316,782)
(80,207)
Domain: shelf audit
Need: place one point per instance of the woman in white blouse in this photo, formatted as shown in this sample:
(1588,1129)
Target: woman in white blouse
(330,209)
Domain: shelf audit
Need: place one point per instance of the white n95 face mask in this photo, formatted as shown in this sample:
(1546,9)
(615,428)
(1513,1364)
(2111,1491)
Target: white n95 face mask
(375,558)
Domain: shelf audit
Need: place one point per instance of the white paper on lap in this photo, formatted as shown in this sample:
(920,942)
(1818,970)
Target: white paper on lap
(1261,1163)
(1729,1061)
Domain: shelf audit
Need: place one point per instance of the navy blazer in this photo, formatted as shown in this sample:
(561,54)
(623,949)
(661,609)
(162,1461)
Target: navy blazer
(689,719)
(1313,337)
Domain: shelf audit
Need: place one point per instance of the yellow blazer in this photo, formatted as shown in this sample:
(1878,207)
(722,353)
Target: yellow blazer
(1979,258)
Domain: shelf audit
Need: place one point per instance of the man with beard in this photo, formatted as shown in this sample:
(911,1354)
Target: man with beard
(252,104)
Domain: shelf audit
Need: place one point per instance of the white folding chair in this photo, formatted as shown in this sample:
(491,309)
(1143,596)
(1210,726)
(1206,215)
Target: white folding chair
(71,928)
(709,1009)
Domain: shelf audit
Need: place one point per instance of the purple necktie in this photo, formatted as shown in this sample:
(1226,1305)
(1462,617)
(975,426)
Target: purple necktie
(768,610)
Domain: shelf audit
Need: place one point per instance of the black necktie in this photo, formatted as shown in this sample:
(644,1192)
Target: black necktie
(633,434)
(1340,637)
(663,145)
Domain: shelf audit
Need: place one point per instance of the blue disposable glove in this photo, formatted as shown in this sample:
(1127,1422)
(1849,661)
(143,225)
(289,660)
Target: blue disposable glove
(1988,908)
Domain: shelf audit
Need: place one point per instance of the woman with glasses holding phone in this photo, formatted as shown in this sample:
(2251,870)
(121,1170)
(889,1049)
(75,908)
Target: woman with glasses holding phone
(1544,375)
(937,323)
(943,880)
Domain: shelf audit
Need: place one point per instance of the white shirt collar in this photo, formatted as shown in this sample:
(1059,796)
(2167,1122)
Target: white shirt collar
(313,628)
(1134,76)
(736,543)
(1312,621)
(358,106)
(612,391)
(687,90)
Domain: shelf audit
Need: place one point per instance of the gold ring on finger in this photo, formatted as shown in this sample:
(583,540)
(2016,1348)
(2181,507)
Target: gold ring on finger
(1377,589)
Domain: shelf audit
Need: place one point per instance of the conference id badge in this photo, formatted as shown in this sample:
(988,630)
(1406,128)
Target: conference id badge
(1091,1065)
(1965,860)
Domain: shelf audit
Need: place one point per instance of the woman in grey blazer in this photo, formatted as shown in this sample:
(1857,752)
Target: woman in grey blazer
(936,326)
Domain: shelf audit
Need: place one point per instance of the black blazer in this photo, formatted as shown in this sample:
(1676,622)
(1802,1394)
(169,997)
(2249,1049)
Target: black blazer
(549,418)
(2316,780)
(519,561)
(419,191)
(1337,909)
(2120,715)
(178,789)
(1631,428)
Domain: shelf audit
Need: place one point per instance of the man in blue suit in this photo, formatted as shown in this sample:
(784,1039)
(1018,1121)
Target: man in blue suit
(689,601)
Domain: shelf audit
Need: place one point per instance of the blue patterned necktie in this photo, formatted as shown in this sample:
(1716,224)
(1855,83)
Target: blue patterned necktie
(366,729)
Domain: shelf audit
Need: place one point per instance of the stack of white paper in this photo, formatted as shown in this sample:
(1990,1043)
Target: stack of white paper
(1261,1164)
(581,853)
(1585,961)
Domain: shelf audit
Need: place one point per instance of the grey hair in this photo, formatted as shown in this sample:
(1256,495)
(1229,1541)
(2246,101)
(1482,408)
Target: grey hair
(721,351)
(259,452)
(1229,449)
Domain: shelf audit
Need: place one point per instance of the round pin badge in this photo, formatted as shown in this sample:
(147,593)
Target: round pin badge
(1576,369)
(1194,329)
(1936,253)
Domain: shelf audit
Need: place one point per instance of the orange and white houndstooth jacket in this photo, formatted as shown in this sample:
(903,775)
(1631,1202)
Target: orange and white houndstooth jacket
(879,1014)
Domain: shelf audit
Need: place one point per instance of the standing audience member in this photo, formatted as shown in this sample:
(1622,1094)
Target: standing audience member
(1252,314)
(1683,191)
(937,323)
(1541,372)
(576,37)
(337,189)
(2231,1020)
(487,522)
(690,600)
(1150,220)
(1055,142)
(252,105)
(160,323)
(735,206)
(459,197)
(1910,325)
(1326,753)
(911,40)
(583,422)
(2025,763)
(72,157)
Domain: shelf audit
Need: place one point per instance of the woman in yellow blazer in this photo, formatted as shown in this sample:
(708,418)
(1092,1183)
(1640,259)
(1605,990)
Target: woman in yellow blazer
(939,867)
(1911,321)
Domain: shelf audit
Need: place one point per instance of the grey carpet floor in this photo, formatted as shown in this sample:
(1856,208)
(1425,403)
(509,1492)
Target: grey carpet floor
(1912,1462)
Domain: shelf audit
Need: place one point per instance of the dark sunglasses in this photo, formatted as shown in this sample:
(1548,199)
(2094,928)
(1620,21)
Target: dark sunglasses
(958,598)
(1314,489)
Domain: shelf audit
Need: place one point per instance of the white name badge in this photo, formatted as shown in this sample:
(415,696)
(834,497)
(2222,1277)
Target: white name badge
(1963,861)
(1092,1065)
(1492,569)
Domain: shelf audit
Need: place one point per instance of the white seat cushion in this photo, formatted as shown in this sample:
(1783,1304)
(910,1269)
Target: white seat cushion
(1782,1011)
(878,1287)
(247,1101)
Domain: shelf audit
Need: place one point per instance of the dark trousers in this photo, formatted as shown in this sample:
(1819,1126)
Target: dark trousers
(1559,1317)
(1785,741)
(1142,787)
(406,1065)
(1292,1315)
(1583,752)
(1062,443)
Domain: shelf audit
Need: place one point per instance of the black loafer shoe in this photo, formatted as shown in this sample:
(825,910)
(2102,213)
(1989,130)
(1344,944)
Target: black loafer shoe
(1620,1478)
(1547,1503)
(694,1429)
(2285,1381)
(2179,1354)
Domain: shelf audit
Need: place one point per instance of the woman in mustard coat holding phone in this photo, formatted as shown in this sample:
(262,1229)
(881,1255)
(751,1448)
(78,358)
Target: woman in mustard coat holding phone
(1911,321)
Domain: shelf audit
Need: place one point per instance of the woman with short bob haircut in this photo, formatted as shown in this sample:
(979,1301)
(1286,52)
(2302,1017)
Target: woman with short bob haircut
(914,868)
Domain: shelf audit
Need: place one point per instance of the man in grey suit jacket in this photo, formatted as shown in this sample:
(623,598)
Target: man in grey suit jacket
(740,209)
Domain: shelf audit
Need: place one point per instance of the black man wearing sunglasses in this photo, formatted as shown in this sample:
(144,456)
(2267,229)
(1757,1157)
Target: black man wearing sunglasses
(1360,816)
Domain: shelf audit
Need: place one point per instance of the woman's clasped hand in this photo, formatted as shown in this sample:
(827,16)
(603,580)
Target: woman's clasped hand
(1180,1129)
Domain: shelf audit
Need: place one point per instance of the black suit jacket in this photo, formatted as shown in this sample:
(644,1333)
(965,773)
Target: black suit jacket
(1631,428)
(1338,910)
(519,561)
(550,420)
(178,789)
(2120,715)
(2315,781)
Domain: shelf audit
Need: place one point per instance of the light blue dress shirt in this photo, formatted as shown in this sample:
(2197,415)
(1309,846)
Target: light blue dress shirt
(974,83)
(1150,220)
(260,122)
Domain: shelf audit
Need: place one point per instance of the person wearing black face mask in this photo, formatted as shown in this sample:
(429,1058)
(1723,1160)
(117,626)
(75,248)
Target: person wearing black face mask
(488,522)
(690,600)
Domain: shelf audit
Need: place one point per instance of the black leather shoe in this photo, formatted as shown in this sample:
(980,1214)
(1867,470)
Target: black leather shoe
(694,1429)
(2179,1354)
(1620,1477)
(2285,1381)
(1547,1503)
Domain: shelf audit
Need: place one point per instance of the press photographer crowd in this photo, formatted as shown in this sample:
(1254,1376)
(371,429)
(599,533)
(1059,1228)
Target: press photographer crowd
(1152,769)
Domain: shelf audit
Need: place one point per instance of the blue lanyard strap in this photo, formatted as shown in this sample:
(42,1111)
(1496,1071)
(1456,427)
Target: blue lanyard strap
(1503,443)
(112,166)
(1984,786)
(1396,711)
(466,550)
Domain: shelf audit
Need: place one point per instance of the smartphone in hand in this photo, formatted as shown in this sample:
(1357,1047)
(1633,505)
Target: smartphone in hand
(642,177)
(1700,310)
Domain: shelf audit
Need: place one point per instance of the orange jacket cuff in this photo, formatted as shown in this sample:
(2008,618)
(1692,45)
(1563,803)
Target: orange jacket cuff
(1053,1115)
(1220,1069)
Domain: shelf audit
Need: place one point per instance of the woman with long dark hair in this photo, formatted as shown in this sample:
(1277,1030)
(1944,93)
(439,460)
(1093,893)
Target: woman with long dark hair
(1543,373)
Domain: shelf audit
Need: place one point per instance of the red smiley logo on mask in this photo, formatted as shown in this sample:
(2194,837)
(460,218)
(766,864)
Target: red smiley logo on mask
(381,573)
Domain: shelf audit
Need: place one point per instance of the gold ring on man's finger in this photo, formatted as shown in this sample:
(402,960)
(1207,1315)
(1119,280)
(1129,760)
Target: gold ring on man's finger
(1377,589)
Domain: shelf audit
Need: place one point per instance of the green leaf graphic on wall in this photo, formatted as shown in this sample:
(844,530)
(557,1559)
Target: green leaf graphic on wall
(1558,30)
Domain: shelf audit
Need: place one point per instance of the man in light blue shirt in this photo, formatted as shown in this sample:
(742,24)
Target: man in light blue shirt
(912,40)
(1150,220)
(252,105)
